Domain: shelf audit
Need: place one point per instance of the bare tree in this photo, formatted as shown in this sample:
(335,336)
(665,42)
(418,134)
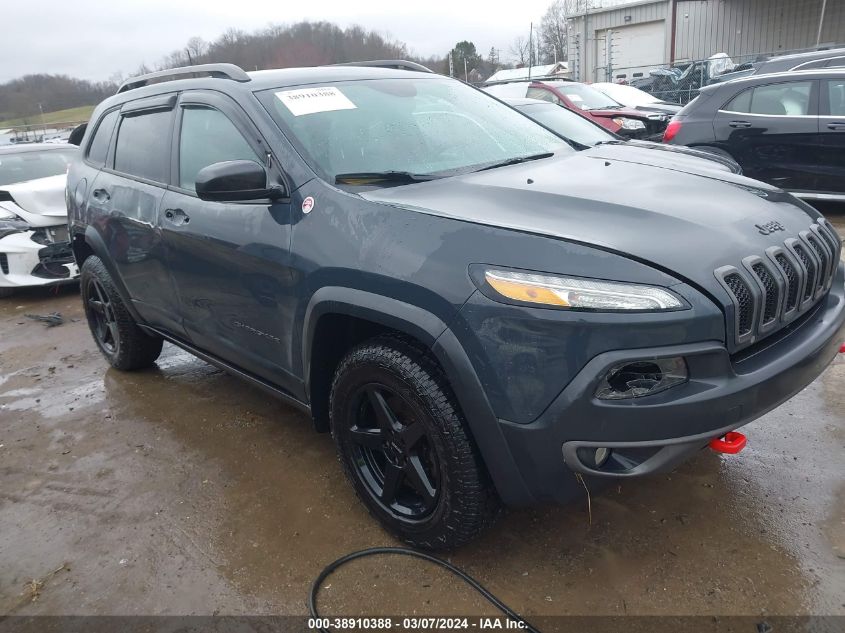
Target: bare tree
(196,48)
(519,50)
(554,28)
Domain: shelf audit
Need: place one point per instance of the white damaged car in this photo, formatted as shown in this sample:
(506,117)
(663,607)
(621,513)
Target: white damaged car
(34,248)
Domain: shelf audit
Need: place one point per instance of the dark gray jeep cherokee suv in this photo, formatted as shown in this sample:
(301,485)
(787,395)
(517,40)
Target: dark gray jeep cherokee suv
(476,311)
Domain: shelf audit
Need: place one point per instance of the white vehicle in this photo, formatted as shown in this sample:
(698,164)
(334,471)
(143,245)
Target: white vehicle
(635,98)
(34,248)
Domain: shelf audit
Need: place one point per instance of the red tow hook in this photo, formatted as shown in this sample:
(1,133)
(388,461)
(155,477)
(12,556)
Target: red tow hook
(731,443)
(842,349)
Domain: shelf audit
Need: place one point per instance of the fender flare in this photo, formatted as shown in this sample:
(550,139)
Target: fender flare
(432,332)
(98,246)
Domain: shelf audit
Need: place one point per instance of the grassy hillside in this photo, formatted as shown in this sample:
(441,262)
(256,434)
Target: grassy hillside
(59,116)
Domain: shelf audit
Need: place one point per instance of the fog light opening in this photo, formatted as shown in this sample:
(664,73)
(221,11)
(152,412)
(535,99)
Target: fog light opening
(594,457)
(601,456)
(635,379)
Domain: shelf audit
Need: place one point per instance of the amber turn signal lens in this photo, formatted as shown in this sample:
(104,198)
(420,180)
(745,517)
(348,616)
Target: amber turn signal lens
(525,292)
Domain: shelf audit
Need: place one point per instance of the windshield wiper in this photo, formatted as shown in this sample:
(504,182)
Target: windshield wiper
(370,177)
(517,160)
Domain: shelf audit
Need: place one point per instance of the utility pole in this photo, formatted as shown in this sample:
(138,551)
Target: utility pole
(451,65)
(43,125)
(466,75)
(530,48)
(608,48)
(821,23)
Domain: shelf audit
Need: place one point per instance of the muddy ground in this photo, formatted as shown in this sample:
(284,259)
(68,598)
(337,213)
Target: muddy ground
(181,490)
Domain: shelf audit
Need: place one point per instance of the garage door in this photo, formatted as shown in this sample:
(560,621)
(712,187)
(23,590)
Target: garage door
(634,49)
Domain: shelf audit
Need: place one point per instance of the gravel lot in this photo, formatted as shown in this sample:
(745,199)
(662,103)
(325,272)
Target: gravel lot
(181,490)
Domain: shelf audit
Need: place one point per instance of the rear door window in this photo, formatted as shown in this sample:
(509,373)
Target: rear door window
(143,145)
(783,99)
(99,147)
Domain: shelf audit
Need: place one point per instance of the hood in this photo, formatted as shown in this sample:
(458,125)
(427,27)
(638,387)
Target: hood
(684,221)
(40,202)
(673,157)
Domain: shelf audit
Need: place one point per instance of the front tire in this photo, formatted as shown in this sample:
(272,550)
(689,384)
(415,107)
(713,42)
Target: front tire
(116,333)
(405,448)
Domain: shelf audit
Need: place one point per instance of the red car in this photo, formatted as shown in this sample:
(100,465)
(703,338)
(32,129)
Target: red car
(587,101)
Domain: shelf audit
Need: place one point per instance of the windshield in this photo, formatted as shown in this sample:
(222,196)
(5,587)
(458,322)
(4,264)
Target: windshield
(585,97)
(567,123)
(418,126)
(29,165)
(626,95)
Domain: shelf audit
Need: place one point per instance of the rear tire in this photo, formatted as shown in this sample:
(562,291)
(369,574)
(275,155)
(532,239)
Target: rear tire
(116,333)
(6,292)
(405,448)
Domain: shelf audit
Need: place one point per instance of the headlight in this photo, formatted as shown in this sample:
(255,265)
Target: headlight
(629,124)
(572,292)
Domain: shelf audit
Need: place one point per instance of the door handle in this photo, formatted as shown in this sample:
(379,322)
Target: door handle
(739,124)
(101,195)
(836,125)
(176,216)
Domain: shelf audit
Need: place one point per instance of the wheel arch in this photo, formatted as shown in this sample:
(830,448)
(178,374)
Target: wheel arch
(334,312)
(92,243)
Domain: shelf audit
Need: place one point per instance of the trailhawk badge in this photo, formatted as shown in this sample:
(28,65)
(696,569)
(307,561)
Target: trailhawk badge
(307,205)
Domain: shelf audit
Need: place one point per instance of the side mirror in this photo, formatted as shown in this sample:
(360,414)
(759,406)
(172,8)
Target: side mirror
(235,180)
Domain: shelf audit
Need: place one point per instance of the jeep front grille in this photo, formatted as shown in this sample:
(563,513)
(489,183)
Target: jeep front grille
(773,288)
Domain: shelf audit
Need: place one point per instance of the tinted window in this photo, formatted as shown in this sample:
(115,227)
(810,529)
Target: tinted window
(23,166)
(740,103)
(99,147)
(782,99)
(143,145)
(836,97)
(208,137)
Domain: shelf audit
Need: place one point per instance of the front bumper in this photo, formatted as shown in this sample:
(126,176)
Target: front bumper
(36,258)
(655,433)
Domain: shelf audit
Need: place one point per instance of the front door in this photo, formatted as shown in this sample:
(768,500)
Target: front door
(229,260)
(772,132)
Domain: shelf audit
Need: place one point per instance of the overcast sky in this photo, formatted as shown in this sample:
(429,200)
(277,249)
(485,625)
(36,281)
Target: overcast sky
(93,39)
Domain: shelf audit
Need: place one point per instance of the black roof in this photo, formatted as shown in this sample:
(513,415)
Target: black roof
(238,81)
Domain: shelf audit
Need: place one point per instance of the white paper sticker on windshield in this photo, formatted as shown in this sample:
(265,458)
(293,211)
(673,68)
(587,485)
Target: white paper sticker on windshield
(573,97)
(312,100)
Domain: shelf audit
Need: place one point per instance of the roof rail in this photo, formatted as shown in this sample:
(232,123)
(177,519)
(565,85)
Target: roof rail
(398,64)
(220,71)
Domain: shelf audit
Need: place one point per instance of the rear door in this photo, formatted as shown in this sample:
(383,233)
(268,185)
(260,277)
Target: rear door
(773,132)
(832,132)
(125,199)
(229,260)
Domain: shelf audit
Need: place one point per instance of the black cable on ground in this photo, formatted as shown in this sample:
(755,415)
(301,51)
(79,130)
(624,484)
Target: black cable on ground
(403,551)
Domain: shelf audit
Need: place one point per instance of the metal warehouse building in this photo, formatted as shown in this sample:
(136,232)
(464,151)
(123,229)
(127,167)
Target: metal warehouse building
(650,33)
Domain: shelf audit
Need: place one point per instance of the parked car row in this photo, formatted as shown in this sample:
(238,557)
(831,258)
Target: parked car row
(631,122)
(786,129)
(34,248)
